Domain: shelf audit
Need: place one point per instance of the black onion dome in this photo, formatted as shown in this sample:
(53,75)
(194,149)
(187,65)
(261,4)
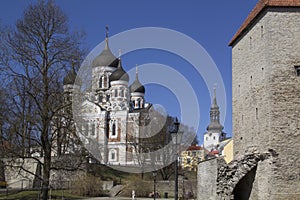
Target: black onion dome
(105,58)
(136,86)
(119,74)
(70,79)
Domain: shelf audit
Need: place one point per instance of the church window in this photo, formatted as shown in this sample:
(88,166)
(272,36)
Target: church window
(122,93)
(297,69)
(85,129)
(93,129)
(113,155)
(101,82)
(105,81)
(114,129)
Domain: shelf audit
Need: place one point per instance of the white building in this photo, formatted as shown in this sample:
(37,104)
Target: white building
(110,111)
(214,134)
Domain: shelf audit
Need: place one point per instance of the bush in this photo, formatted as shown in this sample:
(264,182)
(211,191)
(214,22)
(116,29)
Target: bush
(87,185)
(141,188)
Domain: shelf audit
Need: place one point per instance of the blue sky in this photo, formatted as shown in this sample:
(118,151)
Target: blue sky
(211,23)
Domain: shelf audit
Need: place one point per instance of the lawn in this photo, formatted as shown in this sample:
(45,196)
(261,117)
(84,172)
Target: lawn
(33,195)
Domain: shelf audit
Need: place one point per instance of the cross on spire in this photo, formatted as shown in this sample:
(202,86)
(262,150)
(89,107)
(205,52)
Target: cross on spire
(136,72)
(106,31)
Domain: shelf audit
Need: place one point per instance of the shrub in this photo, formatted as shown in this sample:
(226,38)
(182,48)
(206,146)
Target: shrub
(87,185)
(141,188)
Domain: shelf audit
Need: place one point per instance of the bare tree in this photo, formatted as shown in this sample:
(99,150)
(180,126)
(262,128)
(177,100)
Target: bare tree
(38,50)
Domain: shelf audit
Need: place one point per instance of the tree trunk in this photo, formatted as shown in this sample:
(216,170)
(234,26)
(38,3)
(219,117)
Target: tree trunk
(46,174)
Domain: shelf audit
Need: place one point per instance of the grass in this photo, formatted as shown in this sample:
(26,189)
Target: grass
(33,195)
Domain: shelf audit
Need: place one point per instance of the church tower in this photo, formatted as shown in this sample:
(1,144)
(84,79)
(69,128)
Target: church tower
(214,134)
(137,93)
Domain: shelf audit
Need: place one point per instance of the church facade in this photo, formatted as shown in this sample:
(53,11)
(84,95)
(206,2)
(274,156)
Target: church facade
(110,110)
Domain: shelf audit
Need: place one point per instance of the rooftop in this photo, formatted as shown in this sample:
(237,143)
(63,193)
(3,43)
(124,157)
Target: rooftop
(259,8)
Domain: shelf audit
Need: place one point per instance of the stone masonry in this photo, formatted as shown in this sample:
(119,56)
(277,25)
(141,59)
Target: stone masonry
(266,97)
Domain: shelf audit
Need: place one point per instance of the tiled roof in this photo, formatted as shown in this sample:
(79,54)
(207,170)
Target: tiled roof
(260,6)
(194,147)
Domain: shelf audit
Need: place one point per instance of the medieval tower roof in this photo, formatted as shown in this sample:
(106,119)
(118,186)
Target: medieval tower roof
(257,11)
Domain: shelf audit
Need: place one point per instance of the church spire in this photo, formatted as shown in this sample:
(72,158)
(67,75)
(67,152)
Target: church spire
(136,72)
(215,115)
(106,37)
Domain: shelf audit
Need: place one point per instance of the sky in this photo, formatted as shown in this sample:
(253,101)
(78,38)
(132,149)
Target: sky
(210,23)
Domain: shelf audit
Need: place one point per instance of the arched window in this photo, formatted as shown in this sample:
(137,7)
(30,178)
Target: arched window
(113,129)
(105,81)
(113,155)
(93,129)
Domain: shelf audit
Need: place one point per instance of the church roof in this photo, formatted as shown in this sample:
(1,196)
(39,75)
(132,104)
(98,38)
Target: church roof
(70,79)
(214,115)
(106,57)
(258,9)
(119,74)
(136,86)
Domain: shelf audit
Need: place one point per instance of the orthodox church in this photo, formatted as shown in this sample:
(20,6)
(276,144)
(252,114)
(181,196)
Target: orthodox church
(111,110)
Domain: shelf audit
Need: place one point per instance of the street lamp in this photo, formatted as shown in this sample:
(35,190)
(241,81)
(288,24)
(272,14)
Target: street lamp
(176,139)
(154,173)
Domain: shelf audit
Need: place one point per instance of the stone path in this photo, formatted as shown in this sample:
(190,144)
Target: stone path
(124,198)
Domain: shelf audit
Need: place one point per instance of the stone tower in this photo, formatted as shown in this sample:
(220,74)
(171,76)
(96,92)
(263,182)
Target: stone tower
(214,134)
(266,96)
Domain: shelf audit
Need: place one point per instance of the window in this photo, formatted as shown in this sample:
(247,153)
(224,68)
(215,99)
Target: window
(297,69)
(113,129)
(93,129)
(113,155)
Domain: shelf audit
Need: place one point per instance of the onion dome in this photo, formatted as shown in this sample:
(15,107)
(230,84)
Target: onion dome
(106,57)
(119,74)
(70,79)
(136,86)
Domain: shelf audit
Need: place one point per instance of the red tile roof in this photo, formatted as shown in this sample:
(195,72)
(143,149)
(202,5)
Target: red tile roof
(260,6)
(194,147)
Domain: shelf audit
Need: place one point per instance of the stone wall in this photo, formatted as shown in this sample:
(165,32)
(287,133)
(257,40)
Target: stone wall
(207,179)
(184,186)
(266,100)
(236,180)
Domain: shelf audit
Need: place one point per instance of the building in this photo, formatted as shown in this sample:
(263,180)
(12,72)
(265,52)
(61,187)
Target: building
(227,150)
(214,135)
(266,96)
(266,107)
(190,158)
(110,112)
